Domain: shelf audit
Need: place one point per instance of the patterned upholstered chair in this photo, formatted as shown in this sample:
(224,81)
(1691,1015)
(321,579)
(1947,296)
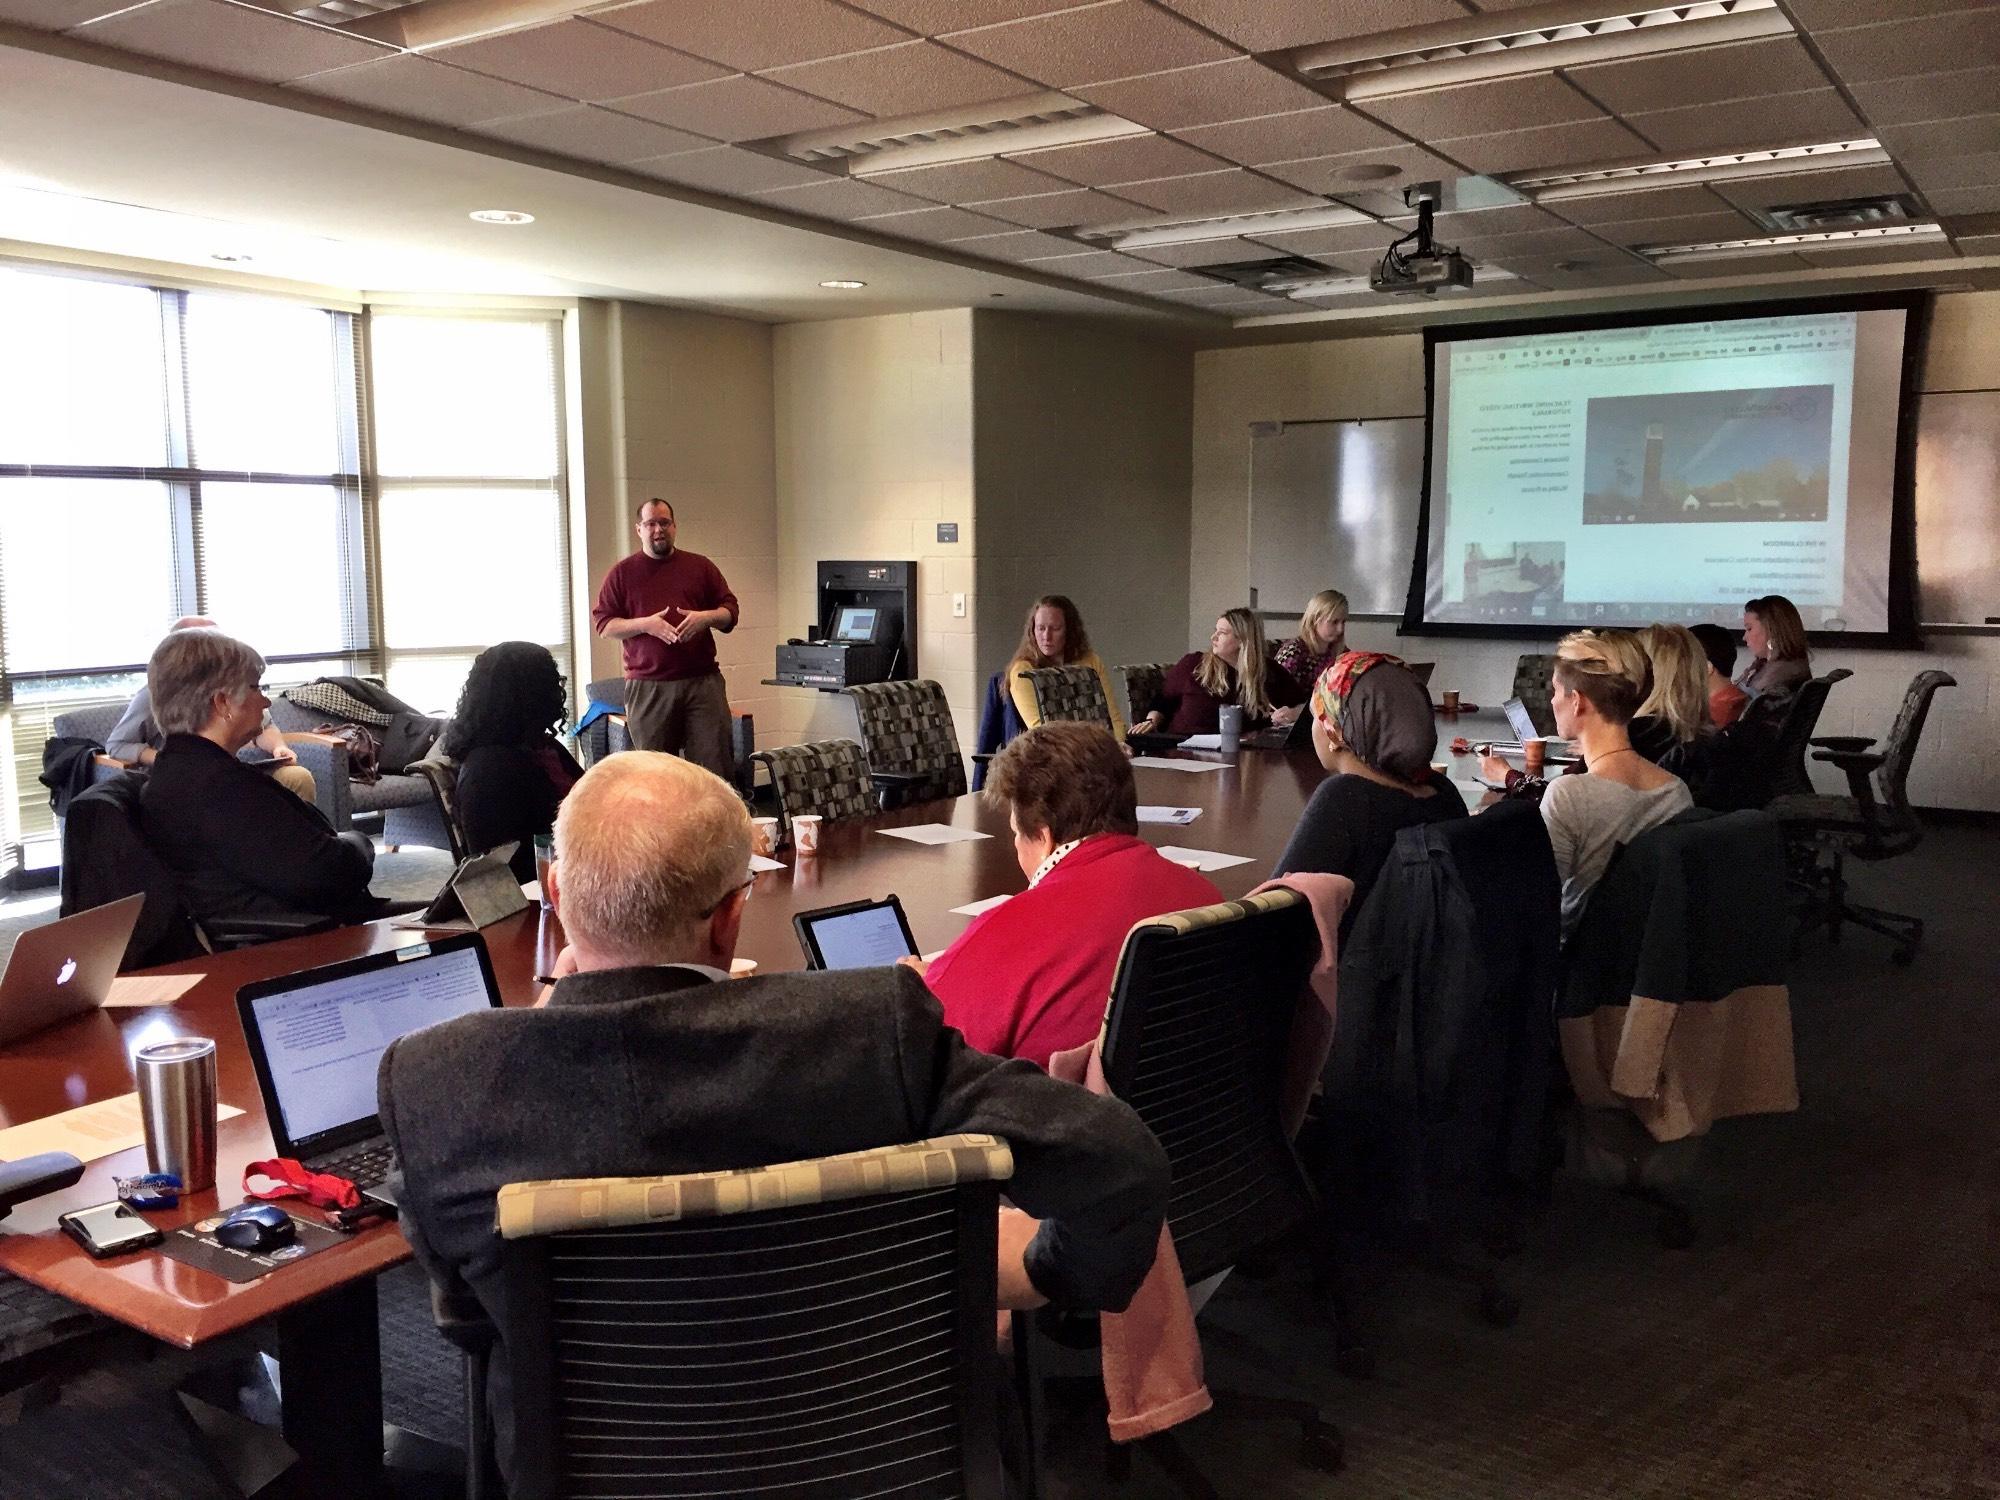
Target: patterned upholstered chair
(611,1282)
(912,747)
(1071,695)
(827,777)
(1142,688)
(1535,685)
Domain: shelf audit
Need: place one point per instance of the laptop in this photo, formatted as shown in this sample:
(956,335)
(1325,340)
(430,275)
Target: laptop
(65,967)
(317,1036)
(1297,735)
(1523,724)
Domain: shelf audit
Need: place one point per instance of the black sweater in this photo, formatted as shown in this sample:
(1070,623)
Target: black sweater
(1350,826)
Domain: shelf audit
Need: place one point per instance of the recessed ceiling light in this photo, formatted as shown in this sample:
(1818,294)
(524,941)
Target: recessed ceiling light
(1368,171)
(228,258)
(843,285)
(501,216)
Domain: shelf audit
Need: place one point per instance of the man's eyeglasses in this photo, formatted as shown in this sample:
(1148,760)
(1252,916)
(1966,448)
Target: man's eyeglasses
(726,895)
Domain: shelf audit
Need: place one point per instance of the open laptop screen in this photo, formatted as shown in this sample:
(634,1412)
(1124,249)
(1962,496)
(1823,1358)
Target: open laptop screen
(318,1036)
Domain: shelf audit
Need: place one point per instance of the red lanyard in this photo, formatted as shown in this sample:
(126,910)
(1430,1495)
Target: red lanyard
(287,1178)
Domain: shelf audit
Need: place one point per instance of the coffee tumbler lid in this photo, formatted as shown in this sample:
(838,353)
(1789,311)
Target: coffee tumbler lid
(180,1049)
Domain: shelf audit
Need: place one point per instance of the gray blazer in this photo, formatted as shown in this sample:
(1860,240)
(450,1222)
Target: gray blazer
(631,1072)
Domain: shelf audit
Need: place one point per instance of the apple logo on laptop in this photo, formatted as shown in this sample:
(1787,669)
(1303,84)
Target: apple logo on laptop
(66,972)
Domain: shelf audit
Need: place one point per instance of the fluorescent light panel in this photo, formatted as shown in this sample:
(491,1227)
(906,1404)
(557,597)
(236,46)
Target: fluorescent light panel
(1626,177)
(1533,40)
(976,133)
(1139,234)
(1773,244)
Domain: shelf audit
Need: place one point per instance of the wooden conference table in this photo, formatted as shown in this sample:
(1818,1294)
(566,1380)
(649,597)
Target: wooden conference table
(324,1306)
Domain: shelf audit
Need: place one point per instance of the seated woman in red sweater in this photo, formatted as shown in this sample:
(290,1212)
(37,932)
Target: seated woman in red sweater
(1236,668)
(1031,977)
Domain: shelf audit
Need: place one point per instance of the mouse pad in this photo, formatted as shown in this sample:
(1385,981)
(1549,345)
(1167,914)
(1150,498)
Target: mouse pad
(196,1245)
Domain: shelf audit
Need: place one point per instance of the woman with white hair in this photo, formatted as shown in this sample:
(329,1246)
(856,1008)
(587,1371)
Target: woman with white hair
(238,843)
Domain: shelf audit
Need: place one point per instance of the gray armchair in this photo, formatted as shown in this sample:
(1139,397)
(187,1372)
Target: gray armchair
(406,804)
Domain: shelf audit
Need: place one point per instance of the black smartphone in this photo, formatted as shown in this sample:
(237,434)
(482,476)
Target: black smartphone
(109,1229)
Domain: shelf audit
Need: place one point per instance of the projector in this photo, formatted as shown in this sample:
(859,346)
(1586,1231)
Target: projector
(1415,264)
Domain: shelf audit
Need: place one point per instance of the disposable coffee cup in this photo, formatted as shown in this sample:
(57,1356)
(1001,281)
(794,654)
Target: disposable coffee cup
(177,1109)
(1231,721)
(805,833)
(764,836)
(1534,754)
(742,968)
(1451,700)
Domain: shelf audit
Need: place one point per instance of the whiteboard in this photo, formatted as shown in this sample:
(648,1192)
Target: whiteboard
(1333,505)
(1958,507)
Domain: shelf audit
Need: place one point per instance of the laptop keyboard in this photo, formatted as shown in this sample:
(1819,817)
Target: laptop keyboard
(365,1165)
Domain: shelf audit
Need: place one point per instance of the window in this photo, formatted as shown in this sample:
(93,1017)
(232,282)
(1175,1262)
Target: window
(469,454)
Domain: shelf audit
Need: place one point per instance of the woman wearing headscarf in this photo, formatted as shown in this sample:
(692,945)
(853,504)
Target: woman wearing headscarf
(1374,729)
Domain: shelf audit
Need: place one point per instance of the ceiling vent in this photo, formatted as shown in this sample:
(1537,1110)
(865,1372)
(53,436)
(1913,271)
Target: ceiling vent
(1276,273)
(341,12)
(1838,213)
(971,134)
(1535,39)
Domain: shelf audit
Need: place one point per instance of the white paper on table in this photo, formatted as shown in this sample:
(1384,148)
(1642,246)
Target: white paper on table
(974,908)
(1163,763)
(149,989)
(759,863)
(88,1133)
(1202,742)
(1202,859)
(1179,816)
(531,890)
(934,833)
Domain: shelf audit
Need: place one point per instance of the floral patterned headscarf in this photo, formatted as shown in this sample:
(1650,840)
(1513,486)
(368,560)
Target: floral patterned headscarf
(1385,718)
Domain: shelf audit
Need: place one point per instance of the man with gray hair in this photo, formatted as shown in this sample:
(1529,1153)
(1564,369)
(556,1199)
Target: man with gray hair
(238,843)
(648,1059)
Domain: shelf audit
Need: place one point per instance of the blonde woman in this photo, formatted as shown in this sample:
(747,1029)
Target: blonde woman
(1600,681)
(1322,637)
(1236,668)
(1054,637)
(1776,636)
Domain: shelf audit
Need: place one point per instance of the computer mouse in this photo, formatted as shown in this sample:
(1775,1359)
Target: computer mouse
(257,1226)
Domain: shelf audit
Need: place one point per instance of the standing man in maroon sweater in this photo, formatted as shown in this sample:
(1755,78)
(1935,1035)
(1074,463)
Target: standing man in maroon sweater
(662,603)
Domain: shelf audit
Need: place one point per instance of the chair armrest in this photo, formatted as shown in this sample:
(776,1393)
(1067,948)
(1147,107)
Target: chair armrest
(245,932)
(1847,742)
(1860,768)
(326,758)
(892,788)
(1851,761)
(110,763)
(983,757)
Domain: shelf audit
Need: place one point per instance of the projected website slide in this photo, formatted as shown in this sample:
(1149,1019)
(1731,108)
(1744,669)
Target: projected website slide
(1697,456)
(1665,472)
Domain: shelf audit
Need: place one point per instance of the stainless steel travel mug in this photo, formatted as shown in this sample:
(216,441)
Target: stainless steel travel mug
(1231,718)
(177,1107)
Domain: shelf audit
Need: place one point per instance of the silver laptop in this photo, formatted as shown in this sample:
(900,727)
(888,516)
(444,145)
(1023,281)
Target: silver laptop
(65,967)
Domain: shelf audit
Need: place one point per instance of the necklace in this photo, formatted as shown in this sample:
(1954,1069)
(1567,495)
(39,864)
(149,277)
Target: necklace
(1621,750)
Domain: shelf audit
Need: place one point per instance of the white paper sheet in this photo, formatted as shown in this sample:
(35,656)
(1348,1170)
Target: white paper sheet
(1180,817)
(1163,763)
(759,863)
(934,833)
(1202,742)
(1202,859)
(974,908)
(89,1133)
(149,989)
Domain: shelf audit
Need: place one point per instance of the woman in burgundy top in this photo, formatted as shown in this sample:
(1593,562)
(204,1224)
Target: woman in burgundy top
(1236,668)
(1031,977)
(1322,637)
(512,771)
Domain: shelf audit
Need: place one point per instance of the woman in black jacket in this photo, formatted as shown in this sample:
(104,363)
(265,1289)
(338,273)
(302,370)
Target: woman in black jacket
(512,771)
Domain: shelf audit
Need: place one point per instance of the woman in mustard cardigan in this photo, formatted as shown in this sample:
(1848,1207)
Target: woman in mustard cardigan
(1054,637)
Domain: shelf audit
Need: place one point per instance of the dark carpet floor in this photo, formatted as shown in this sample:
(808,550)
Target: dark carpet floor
(1835,1331)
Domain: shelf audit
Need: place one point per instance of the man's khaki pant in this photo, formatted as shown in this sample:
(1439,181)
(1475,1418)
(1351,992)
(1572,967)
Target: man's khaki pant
(688,718)
(297,780)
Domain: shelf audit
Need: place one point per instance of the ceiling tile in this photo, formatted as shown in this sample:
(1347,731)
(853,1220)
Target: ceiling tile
(970,181)
(929,17)
(1203,95)
(1548,244)
(1101,163)
(594,135)
(841,198)
(1603,267)
(579,60)
(1829,15)
(727,169)
(1265,25)
(1128,264)
(1813,187)
(1076,262)
(1574,145)
(1943,137)
(1340,240)
(57,15)
(1328,131)
(1781,120)
(1486,223)
(1942,173)
(1232,191)
(1209,253)
(1018,245)
(1742,70)
(1692,230)
(1735,265)
(1970,226)
(1865,254)
(1062,210)
(1935,96)
(1979,244)
(748,38)
(907,79)
(237,39)
(935,224)
(1509,104)
(1355,172)
(1909,47)
(1157,279)
(736,109)
(1115,39)
(426,90)
(1967,200)
(1644,203)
